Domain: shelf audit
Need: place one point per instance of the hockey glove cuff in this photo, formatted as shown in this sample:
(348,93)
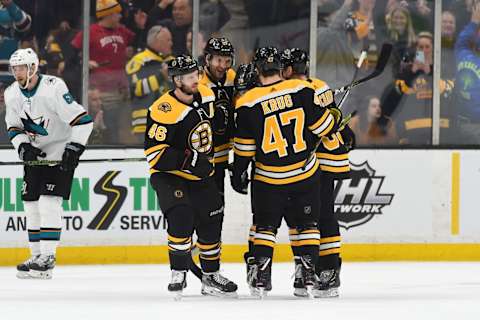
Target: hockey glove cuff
(27,152)
(197,163)
(71,156)
(239,181)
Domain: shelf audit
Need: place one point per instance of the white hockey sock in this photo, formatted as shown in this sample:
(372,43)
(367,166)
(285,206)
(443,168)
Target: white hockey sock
(33,226)
(51,223)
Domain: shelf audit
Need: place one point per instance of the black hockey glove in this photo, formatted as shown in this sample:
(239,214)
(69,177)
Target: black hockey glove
(71,155)
(197,163)
(239,181)
(27,152)
(348,137)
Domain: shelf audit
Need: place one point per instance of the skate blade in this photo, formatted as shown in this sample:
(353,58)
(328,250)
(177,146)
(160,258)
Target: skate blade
(330,293)
(258,292)
(42,275)
(177,295)
(23,275)
(209,291)
(300,292)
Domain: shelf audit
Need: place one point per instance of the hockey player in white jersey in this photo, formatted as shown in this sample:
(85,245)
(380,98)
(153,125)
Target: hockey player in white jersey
(43,122)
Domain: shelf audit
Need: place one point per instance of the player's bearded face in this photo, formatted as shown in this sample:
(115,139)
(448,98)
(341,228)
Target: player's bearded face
(20,73)
(189,83)
(218,66)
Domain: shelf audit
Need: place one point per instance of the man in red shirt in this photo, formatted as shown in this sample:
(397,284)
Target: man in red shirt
(108,45)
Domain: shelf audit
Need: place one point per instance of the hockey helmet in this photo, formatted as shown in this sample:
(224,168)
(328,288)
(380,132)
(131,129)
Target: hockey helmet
(267,59)
(246,77)
(220,47)
(181,65)
(26,57)
(296,58)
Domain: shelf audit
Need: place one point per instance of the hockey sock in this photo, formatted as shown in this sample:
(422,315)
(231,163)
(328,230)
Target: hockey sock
(179,252)
(33,226)
(50,208)
(264,242)
(209,255)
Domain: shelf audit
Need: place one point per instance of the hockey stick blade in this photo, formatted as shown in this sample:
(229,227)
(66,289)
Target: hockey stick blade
(382,61)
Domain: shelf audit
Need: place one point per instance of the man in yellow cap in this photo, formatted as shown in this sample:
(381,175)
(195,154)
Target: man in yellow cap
(108,43)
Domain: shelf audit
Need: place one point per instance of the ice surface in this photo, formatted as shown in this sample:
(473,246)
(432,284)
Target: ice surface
(386,291)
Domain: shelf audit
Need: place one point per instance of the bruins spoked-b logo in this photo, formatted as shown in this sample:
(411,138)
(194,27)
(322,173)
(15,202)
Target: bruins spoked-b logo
(201,137)
(359,199)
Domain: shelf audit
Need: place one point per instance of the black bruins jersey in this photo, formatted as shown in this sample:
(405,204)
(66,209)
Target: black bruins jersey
(332,152)
(147,84)
(278,125)
(173,127)
(224,93)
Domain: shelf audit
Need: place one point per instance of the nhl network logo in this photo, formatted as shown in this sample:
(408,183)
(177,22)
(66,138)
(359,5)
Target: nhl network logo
(359,199)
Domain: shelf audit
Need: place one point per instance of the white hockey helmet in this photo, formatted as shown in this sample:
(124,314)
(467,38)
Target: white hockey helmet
(26,57)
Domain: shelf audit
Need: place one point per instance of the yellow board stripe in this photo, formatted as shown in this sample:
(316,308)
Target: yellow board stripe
(234,253)
(455,214)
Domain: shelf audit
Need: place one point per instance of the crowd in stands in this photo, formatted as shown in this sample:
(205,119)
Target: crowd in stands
(131,41)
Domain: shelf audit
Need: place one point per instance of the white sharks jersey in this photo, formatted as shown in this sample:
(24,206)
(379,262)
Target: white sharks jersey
(47,116)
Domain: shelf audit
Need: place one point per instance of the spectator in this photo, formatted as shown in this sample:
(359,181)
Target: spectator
(414,96)
(179,25)
(108,55)
(463,12)
(201,43)
(96,112)
(137,22)
(161,11)
(3,126)
(401,34)
(213,15)
(372,127)
(448,43)
(148,78)
(12,19)
(467,81)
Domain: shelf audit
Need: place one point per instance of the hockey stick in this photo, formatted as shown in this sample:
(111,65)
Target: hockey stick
(362,57)
(54,162)
(380,66)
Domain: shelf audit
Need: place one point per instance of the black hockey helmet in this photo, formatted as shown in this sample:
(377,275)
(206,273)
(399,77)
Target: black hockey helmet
(267,59)
(296,58)
(182,64)
(219,47)
(246,77)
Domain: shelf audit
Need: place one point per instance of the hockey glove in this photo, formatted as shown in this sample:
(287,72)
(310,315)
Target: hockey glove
(348,137)
(71,155)
(337,114)
(27,152)
(197,163)
(239,181)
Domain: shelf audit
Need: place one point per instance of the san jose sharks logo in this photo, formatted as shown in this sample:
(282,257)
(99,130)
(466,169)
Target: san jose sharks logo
(34,127)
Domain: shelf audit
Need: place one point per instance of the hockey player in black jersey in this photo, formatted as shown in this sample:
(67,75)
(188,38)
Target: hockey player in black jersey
(333,157)
(179,150)
(219,76)
(277,125)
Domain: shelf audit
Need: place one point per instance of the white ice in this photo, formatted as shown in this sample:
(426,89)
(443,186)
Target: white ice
(386,291)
